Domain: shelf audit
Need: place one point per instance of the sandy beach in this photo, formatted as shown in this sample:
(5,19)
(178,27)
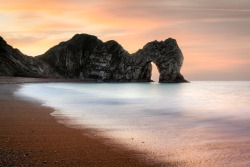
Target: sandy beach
(30,136)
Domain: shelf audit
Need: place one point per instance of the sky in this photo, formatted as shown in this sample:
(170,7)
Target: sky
(214,35)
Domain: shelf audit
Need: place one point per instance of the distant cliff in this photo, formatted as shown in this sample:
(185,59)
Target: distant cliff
(85,56)
(15,63)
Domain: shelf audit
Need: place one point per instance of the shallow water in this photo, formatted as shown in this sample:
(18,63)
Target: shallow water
(199,123)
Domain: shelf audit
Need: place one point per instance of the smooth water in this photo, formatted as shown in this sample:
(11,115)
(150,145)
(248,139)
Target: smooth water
(199,123)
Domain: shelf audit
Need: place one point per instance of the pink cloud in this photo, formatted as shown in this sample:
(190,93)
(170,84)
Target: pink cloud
(214,36)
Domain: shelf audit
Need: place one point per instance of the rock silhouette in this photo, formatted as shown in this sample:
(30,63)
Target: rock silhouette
(87,57)
(15,63)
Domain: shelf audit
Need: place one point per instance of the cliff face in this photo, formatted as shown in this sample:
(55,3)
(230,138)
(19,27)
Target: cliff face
(14,63)
(85,56)
(165,54)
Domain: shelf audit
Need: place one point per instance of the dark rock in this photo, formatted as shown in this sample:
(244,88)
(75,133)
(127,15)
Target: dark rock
(15,63)
(166,55)
(85,56)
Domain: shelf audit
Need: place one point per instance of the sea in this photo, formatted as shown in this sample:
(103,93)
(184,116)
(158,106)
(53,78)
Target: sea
(201,123)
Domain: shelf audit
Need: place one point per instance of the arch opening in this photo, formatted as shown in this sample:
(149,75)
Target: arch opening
(154,73)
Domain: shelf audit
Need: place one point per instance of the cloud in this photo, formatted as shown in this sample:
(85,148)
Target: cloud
(214,35)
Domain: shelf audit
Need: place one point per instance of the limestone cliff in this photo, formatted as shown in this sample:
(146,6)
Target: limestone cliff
(15,63)
(85,56)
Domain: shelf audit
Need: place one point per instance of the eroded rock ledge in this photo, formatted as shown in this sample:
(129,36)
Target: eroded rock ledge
(85,56)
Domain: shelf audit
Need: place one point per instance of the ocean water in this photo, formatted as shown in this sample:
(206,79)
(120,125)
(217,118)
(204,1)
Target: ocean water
(197,124)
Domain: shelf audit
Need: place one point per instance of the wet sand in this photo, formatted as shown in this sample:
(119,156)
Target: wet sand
(30,136)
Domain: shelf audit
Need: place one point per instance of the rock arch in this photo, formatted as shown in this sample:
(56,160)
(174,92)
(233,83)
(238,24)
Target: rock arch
(88,57)
(166,55)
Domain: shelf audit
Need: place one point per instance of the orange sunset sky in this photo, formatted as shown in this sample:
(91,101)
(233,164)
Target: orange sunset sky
(214,35)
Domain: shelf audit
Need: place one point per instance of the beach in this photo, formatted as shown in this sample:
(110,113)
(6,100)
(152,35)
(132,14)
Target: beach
(67,122)
(30,136)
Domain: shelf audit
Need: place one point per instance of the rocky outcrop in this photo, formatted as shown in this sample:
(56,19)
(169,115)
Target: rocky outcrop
(165,54)
(15,63)
(85,56)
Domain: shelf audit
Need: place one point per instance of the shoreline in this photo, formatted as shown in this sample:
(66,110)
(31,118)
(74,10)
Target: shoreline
(31,136)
